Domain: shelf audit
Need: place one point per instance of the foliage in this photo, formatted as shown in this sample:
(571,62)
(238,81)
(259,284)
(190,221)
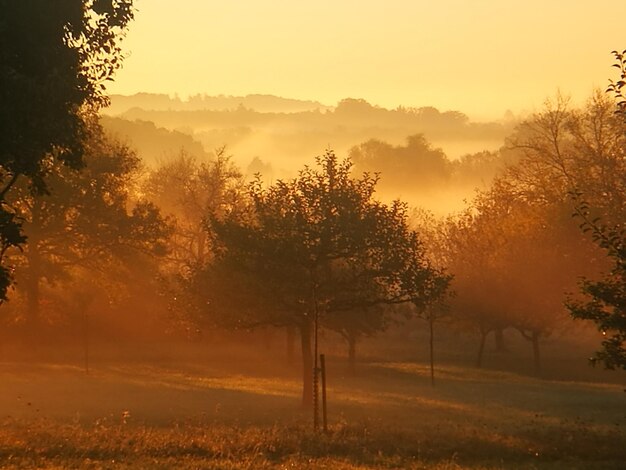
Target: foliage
(518,238)
(187,189)
(605,302)
(89,222)
(403,167)
(513,260)
(322,239)
(564,150)
(316,249)
(56,57)
(616,88)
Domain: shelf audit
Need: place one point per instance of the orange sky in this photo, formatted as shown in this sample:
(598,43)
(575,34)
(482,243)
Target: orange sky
(478,56)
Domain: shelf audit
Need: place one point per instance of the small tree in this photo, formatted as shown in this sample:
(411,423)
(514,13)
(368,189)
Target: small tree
(471,244)
(424,287)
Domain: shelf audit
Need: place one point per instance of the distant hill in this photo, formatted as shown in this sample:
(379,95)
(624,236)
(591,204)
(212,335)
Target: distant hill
(296,137)
(277,136)
(278,143)
(256,102)
(151,143)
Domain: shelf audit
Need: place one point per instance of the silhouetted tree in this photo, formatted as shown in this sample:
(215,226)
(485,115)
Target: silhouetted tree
(563,150)
(56,57)
(605,300)
(317,249)
(415,165)
(479,169)
(90,220)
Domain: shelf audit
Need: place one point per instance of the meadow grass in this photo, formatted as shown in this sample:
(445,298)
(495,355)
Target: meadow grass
(210,415)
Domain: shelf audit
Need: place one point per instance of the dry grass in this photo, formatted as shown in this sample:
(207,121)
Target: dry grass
(207,415)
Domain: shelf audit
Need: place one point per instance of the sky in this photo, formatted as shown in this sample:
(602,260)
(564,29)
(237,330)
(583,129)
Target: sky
(480,57)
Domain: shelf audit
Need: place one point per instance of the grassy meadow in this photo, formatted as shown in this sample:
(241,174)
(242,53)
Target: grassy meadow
(232,409)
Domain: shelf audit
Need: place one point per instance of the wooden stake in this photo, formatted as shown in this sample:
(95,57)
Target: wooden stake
(86,340)
(316,400)
(323,370)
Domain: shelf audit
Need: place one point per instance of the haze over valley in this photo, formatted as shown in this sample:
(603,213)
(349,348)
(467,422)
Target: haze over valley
(341,235)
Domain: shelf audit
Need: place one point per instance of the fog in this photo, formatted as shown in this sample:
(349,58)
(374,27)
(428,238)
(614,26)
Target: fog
(284,135)
(314,254)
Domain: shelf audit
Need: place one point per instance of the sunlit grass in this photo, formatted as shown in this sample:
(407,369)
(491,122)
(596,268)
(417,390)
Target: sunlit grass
(367,444)
(205,416)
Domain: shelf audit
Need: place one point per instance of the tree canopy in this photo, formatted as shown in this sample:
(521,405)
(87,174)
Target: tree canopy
(315,250)
(56,58)
(604,301)
(90,222)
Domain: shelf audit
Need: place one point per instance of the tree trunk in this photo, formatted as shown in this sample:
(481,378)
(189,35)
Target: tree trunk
(201,247)
(307,364)
(481,349)
(431,325)
(291,337)
(86,339)
(500,343)
(352,339)
(33,271)
(32,287)
(536,353)
(267,339)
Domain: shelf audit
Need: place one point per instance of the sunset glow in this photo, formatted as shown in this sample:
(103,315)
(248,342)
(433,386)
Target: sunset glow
(480,57)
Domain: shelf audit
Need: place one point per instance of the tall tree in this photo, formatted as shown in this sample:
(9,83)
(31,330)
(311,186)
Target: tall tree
(320,246)
(55,58)
(564,150)
(604,300)
(90,220)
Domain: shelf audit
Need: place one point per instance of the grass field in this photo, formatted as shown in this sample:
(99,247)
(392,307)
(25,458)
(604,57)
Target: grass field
(235,411)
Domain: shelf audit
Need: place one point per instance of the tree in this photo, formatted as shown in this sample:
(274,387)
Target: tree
(563,150)
(89,221)
(187,189)
(605,300)
(512,261)
(313,251)
(403,167)
(474,240)
(56,58)
(424,287)
(533,244)
(478,169)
